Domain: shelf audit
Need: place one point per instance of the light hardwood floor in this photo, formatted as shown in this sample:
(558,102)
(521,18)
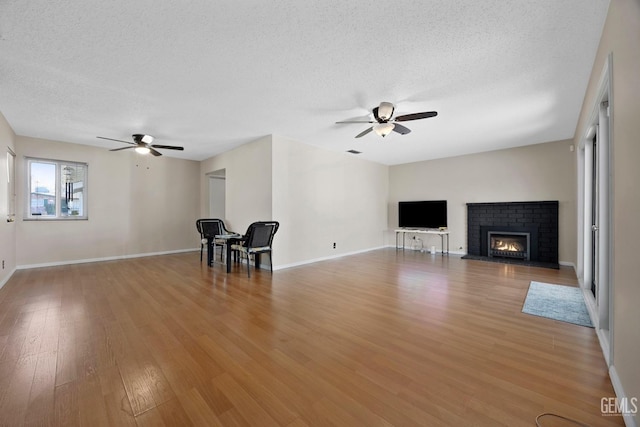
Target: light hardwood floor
(376,339)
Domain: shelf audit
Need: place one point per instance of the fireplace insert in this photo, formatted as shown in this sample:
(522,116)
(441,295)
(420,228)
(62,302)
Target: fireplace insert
(509,244)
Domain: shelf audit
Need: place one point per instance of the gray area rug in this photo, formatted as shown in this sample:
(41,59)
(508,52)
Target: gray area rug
(558,302)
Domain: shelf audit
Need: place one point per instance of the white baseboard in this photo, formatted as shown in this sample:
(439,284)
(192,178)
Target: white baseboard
(569,264)
(311,261)
(629,419)
(620,394)
(604,343)
(109,258)
(6,279)
(426,250)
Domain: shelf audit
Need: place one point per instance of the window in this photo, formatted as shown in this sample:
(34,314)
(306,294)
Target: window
(56,189)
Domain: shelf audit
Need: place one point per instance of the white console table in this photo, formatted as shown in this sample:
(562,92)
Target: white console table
(442,233)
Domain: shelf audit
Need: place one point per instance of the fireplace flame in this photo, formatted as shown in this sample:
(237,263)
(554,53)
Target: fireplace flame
(502,245)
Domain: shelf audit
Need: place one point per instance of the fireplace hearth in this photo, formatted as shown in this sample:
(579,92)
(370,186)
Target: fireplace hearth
(513,232)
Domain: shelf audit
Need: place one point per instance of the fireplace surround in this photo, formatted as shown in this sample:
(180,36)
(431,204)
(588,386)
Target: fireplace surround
(532,224)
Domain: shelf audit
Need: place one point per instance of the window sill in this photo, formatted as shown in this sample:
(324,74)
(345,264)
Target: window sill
(44,218)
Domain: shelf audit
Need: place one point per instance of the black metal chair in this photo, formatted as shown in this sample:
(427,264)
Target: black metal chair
(257,240)
(208,229)
(203,241)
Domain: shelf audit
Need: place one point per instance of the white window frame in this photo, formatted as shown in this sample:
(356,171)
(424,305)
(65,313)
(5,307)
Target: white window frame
(11,185)
(59,215)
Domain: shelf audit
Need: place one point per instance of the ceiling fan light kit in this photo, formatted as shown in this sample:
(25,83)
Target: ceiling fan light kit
(385,110)
(385,123)
(383,129)
(142,150)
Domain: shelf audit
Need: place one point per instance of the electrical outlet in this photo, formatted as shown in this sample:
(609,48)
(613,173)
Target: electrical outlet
(334,245)
(3,264)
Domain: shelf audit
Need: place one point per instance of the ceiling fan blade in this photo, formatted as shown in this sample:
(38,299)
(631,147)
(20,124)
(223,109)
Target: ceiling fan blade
(119,140)
(168,147)
(401,129)
(364,132)
(357,121)
(416,116)
(154,152)
(122,148)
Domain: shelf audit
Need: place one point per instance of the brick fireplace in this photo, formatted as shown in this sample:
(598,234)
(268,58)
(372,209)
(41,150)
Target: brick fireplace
(514,232)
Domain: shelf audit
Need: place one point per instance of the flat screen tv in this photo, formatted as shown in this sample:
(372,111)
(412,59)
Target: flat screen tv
(422,214)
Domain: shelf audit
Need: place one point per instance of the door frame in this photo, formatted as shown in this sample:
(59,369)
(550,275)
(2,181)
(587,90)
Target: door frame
(600,120)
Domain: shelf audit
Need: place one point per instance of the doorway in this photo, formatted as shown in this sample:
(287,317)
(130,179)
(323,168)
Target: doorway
(217,194)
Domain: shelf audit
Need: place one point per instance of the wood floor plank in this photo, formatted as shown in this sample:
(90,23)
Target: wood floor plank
(246,405)
(15,400)
(197,409)
(298,423)
(379,338)
(173,414)
(297,399)
(91,404)
(151,418)
(66,410)
(160,388)
(40,410)
(18,334)
(118,409)
(137,385)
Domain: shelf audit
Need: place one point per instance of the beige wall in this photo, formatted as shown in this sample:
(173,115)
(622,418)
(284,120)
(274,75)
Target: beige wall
(7,229)
(321,197)
(620,36)
(535,172)
(136,205)
(248,184)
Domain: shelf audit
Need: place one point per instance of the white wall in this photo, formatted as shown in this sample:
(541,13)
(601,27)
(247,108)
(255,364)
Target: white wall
(7,229)
(620,36)
(531,173)
(136,205)
(321,197)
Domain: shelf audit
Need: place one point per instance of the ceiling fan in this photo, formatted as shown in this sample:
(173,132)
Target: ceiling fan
(385,122)
(143,144)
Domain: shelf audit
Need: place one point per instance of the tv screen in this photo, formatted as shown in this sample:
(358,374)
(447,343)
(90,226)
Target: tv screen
(422,214)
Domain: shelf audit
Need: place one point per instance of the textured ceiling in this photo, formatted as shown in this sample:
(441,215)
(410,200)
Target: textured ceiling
(212,75)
